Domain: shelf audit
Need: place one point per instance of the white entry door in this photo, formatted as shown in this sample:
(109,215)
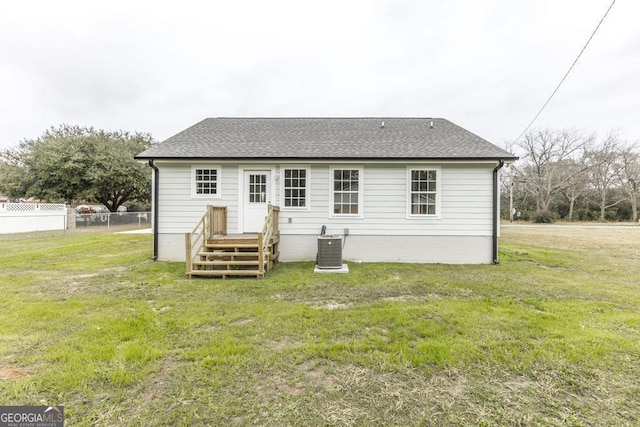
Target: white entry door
(257,193)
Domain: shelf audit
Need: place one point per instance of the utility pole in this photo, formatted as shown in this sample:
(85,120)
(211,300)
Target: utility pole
(511,201)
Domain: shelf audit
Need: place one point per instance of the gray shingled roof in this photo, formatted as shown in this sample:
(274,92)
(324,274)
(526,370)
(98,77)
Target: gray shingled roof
(325,138)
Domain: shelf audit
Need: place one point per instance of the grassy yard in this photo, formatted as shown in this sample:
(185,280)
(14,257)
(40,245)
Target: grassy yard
(550,336)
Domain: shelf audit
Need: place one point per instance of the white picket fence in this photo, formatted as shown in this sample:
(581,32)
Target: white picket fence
(23,217)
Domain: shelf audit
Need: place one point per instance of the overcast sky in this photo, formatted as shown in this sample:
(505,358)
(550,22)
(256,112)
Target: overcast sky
(160,67)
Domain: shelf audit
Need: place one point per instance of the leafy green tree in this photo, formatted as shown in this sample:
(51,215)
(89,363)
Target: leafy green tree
(73,163)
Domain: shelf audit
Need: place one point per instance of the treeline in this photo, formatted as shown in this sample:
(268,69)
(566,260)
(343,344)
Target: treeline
(566,175)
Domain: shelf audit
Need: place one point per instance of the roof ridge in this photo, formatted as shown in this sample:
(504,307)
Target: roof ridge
(328,117)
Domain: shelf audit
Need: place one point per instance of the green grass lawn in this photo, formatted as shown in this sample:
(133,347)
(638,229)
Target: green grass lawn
(550,336)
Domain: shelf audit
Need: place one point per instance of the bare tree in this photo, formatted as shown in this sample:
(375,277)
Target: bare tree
(628,175)
(551,163)
(578,182)
(603,172)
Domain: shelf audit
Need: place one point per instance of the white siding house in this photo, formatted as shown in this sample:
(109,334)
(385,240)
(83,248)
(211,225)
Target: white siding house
(406,190)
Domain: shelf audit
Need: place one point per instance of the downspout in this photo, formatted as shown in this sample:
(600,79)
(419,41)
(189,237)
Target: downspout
(496,213)
(156,191)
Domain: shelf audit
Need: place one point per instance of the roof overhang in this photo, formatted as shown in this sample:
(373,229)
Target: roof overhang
(333,159)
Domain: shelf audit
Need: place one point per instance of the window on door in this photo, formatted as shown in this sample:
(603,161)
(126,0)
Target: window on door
(257,188)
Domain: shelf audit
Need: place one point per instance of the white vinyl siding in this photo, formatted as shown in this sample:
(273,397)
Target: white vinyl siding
(466,198)
(465,203)
(178,211)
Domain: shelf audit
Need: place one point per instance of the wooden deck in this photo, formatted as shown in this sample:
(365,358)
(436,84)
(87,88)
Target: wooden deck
(223,255)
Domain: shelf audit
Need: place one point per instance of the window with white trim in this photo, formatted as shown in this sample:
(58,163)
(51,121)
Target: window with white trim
(295,188)
(347,197)
(423,192)
(205,182)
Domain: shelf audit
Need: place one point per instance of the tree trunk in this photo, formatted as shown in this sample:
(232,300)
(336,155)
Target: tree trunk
(634,208)
(603,207)
(572,202)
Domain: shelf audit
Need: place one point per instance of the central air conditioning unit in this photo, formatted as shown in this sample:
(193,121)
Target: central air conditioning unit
(329,251)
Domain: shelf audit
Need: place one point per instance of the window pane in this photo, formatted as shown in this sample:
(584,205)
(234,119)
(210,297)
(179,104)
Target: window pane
(294,187)
(205,181)
(423,192)
(345,191)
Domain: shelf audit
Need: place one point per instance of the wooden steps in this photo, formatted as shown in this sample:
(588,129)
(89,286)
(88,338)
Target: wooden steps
(234,255)
(216,273)
(211,252)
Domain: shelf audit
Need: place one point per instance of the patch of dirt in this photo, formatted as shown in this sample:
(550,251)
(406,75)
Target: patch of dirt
(412,298)
(11,373)
(157,384)
(73,283)
(315,373)
(210,327)
(331,305)
(157,310)
(84,276)
(241,322)
(280,344)
(115,270)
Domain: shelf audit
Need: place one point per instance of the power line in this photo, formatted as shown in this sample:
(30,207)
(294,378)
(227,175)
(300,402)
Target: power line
(567,73)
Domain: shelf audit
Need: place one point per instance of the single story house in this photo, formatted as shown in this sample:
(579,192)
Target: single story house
(399,189)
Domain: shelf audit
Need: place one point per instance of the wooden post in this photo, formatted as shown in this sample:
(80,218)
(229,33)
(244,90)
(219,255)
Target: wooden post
(260,256)
(276,219)
(223,225)
(188,265)
(211,230)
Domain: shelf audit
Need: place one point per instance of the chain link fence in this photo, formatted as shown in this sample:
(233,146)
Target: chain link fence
(109,221)
(21,219)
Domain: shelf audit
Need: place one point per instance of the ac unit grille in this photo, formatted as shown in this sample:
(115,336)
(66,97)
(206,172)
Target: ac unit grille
(329,251)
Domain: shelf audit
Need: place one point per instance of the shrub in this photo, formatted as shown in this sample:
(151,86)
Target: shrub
(544,217)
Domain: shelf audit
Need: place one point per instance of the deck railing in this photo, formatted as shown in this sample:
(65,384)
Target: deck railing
(213,222)
(269,230)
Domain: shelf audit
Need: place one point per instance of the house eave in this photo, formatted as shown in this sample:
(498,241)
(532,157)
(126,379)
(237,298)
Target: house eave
(330,159)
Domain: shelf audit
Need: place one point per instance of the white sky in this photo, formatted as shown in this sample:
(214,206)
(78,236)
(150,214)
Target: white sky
(160,67)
